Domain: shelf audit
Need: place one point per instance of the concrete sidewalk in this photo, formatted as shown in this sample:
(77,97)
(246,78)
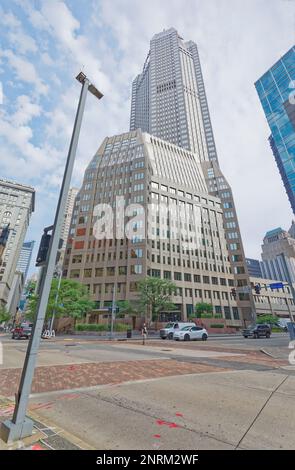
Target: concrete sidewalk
(222,410)
(46,435)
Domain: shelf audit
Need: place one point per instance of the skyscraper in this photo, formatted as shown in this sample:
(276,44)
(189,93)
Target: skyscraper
(25,257)
(67,221)
(254,267)
(17,202)
(169,101)
(278,254)
(276,92)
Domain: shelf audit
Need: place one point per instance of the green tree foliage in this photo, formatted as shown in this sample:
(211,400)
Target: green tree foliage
(155,295)
(73,300)
(4,315)
(128,307)
(203,308)
(269,319)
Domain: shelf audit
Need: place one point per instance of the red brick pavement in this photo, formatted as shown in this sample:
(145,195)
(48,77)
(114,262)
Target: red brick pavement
(63,377)
(249,356)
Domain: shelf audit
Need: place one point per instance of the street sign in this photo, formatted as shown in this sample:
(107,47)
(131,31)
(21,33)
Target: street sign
(276,285)
(245,289)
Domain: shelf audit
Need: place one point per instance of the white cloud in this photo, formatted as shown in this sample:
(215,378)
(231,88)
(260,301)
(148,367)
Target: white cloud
(45,57)
(26,110)
(22,42)
(25,71)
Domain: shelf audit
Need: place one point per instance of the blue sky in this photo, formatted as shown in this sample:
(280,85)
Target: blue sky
(45,43)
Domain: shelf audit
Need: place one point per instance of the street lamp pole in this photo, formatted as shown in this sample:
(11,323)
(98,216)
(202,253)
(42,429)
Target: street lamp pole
(21,426)
(59,272)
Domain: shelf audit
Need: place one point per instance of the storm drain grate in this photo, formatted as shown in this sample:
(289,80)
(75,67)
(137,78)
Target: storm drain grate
(59,443)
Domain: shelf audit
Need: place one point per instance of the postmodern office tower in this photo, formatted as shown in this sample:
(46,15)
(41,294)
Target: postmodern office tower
(25,257)
(67,221)
(278,254)
(17,203)
(180,238)
(169,101)
(276,92)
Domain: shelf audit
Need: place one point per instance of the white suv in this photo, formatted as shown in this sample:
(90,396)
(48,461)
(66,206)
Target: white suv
(190,333)
(172,327)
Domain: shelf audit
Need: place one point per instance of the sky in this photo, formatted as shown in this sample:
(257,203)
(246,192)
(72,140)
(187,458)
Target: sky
(45,43)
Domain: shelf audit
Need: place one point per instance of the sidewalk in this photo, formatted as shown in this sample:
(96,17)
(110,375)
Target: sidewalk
(46,436)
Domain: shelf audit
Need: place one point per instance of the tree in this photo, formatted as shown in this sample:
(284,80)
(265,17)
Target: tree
(73,300)
(269,319)
(155,295)
(4,315)
(203,308)
(128,307)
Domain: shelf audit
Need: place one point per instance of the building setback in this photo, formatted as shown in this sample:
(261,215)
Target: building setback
(276,92)
(172,228)
(17,203)
(169,101)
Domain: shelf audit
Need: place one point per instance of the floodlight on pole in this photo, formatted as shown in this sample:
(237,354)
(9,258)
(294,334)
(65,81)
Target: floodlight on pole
(20,425)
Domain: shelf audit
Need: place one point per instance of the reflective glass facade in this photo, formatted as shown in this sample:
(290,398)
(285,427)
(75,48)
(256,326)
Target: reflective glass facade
(276,92)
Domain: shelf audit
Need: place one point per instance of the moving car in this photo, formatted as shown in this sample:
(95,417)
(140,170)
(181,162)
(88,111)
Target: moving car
(171,327)
(22,331)
(257,331)
(282,323)
(190,333)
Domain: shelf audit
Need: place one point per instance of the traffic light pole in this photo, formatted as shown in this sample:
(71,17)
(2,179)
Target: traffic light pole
(113,310)
(289,280)
(21,426)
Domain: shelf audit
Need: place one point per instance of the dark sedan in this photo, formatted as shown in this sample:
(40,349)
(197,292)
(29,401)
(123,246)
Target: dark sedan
(257,331)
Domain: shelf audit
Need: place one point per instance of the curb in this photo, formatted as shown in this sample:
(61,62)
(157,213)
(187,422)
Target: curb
(267,353)
(43,432)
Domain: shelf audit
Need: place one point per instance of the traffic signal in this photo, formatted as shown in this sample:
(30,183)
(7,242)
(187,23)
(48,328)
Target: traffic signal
(43,249)
(234,292)
(257,288)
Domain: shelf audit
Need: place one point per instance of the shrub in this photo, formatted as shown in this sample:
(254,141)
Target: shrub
(101,327)
(91,327)
(205,315)
(218,315)
(217,325)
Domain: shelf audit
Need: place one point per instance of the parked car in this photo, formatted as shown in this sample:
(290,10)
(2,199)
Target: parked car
(22,331)
(190,333)
(171,327)
(257,331)
(282,323)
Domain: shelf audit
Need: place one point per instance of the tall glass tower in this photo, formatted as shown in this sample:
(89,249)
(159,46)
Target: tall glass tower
(276,92)
(169,101)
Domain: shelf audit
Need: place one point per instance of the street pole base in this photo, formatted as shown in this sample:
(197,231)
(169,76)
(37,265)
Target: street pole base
(10,432)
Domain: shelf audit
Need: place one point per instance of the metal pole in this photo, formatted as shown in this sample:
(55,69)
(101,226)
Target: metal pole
(55,301)
(113,310)
(289,280)
(21,426)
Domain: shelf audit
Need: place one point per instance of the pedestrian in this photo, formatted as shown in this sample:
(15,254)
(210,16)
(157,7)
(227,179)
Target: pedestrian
(144,333)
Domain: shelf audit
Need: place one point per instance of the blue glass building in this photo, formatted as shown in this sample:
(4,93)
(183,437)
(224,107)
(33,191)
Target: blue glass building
(276,90)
